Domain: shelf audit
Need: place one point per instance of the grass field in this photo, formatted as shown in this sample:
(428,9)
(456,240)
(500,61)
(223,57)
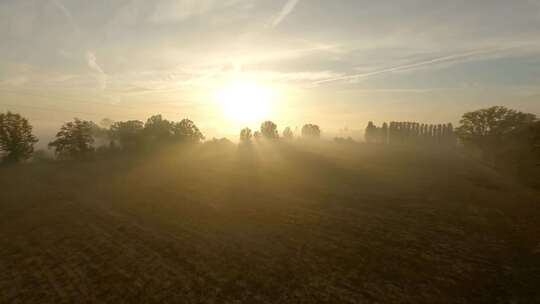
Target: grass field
(281,223)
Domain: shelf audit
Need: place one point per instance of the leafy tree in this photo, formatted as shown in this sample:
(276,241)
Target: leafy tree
(74,140)
(99,131)
(489,126)
(492,128)
(186,131)
(257,135)
(157,129)
(245,135)
(269,130)
(535,137)
(16,138)
(127,133)
(288,133)
(311,131)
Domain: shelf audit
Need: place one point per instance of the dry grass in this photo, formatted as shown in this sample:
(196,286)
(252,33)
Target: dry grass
(268,224)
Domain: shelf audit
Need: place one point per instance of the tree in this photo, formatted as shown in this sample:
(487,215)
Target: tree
(288,133)
(311,131)
(157,129)
(106,123)
(245,135)
(535,137)
(384,133)
(186,131)
(269,130)
(491,129)
(16,138)
(127,133)
(450,135)
(370,134)
(74,140)
(257,135)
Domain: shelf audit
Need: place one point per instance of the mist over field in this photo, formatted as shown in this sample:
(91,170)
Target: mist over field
(268,222)
(269,151)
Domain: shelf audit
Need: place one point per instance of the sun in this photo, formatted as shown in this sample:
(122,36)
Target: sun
(245,101)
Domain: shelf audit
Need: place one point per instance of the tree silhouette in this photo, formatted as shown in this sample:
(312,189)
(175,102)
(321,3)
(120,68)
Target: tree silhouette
(157,129)
(370,132)
(127,133)
(16,138)
(450,135)
(186,131)
(489,129)
(384,133)
(245,135)
(288,133)
(106,123)
(535,137)
(311,131)
(269,130)
(74,140)
(257,135)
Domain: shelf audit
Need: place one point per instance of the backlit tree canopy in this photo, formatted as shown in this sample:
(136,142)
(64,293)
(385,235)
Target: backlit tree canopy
(16,138)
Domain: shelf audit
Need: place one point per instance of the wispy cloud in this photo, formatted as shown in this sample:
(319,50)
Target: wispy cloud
(92,64)
(285,11)
(454,58)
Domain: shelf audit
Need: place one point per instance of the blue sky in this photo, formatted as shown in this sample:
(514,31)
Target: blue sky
(336,63)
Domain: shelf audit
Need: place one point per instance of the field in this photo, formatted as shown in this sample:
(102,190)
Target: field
(268,223)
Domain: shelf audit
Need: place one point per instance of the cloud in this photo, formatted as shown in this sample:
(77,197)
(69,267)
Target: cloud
(92,64)
(454,58)
(285,11)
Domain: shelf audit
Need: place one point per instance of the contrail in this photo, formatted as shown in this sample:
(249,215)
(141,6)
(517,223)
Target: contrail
(285,11)
(411,66)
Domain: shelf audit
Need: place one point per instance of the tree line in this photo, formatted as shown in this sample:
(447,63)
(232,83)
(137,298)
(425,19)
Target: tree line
(504,138)
(411,133)
(268,130)
(499,134)
(76,139)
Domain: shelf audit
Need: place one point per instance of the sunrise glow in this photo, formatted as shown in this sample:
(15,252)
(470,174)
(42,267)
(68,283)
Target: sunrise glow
(245,101)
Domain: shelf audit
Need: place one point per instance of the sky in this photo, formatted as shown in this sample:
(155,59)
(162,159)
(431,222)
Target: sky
(335,63)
